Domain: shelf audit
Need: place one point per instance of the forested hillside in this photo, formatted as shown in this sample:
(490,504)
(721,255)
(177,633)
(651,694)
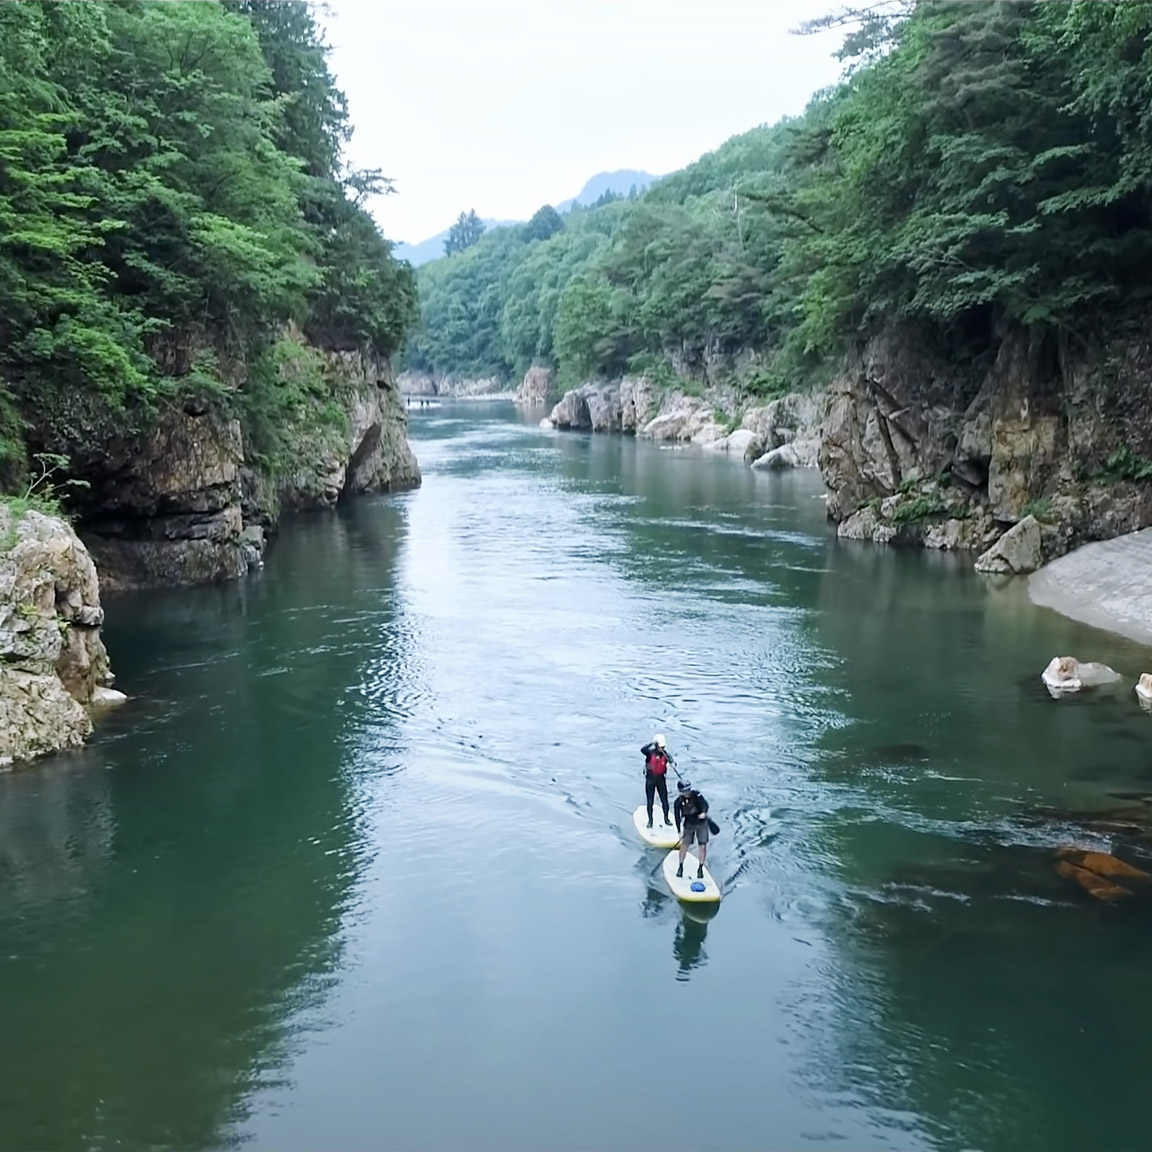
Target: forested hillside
(172,199)
(982,165)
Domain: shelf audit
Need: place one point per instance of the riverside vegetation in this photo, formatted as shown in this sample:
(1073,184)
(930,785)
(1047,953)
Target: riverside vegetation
(196,319)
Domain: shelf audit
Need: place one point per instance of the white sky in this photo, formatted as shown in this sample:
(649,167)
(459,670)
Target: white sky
(505,105)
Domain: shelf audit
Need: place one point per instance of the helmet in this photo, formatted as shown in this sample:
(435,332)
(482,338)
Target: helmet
(683,785)
(658,740)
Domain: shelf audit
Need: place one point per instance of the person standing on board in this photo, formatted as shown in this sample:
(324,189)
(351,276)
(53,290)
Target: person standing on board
(656,761)
(691,811)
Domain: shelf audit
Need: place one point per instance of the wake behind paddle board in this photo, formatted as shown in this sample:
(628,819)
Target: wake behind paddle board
(689,887)
(660,835)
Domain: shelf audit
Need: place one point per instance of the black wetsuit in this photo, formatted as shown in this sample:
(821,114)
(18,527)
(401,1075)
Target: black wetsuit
(692,809)
(655,777)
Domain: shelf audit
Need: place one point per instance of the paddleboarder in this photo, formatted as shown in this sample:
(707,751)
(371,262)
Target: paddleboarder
(656,761)
(692,823)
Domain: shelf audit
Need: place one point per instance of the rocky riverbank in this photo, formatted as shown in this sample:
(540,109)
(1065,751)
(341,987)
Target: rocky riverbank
(784,433)
(461,387)
(54,670)
(1017,457)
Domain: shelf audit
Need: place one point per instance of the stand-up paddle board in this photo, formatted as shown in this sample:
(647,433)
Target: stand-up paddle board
(660,835)
(689,887)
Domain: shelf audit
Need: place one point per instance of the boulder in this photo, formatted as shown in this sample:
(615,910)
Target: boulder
(1067,674)
(795,454)
(1017,552)
(571,412)
(735,442)
(866,524)
(684,419)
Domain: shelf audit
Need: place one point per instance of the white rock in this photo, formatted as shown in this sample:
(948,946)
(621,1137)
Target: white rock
(1060,675)
(102,697)
(1144,689)
(1067,674)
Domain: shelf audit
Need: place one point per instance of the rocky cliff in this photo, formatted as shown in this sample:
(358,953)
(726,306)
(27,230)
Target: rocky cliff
(177,496)
(354,442)
(920,448)
(53,665)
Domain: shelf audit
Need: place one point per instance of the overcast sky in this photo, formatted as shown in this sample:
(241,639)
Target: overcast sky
(505,105)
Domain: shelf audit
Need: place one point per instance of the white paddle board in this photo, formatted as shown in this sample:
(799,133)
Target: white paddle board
(660,835)
(688,887)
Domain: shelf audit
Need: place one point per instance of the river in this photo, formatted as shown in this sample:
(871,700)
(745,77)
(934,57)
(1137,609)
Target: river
(355,866)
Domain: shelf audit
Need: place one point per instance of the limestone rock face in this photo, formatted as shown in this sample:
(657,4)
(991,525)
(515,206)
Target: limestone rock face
(52,660)
(571,412)
(625,405)
(793,419)
(535,388)
(637,403)
(1036,423)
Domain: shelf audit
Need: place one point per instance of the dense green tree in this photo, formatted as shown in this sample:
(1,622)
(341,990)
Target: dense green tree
(982,165)
(464,233)
(172,196)
(545,222)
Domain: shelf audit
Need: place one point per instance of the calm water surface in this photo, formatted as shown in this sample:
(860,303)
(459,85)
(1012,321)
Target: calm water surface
(355,868)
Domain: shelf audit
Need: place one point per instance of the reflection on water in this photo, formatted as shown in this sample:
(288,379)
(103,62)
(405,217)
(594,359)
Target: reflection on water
(170,897)
(355,867)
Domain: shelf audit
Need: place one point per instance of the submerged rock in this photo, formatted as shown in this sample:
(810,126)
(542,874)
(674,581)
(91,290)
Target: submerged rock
(1102,875)
(52,659)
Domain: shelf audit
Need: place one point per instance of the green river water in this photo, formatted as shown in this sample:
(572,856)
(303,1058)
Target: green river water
(355,868)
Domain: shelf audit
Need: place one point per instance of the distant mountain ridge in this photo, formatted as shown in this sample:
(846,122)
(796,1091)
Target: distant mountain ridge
(621,182)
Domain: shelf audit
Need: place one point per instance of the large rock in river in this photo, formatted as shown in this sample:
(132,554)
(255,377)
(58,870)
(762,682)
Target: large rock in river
(53,663)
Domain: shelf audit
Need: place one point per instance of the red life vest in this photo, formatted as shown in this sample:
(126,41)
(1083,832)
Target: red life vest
(657,762)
